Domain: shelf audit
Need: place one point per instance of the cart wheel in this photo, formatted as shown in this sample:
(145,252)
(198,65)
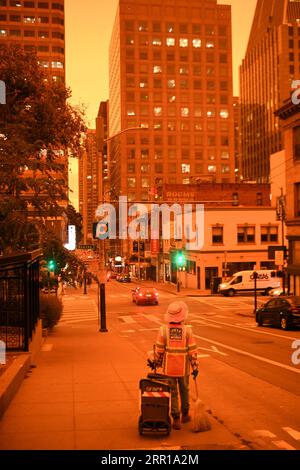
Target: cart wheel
(140,426)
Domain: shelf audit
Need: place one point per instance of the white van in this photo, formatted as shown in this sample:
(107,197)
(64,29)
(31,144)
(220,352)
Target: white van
(244,282)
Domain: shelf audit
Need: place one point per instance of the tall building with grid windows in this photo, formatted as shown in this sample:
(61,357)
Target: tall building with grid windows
(271,63)
(39,27)
(171,75)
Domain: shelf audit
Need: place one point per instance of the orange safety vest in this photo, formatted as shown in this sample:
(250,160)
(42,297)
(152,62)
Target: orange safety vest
(176,342)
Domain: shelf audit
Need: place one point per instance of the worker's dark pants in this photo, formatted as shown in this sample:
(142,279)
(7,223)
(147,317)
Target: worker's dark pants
(183,384)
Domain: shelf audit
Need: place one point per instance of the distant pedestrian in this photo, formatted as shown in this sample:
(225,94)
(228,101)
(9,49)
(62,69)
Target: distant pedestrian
(176,352)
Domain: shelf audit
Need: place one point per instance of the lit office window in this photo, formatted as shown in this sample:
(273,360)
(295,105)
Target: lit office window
(158,111)
(210,44)
(224,114)
(185,111)
(185,168)
(197,43)
(212,169)
(170,42)
(157,42)
(157,69)
(183,42)
(171,83)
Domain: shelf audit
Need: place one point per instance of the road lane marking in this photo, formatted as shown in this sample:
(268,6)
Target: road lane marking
(213,349)
(263,433)
(283,445)
(128,331)
(200,322)
(149,329)
(127,319)
(257,330)
(202,356)
(292,432)
(253,356)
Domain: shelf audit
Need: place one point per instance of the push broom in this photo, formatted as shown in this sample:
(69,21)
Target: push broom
(200,421)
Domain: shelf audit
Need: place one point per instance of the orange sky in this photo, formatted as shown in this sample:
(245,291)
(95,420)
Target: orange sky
(89,25)
(88,28)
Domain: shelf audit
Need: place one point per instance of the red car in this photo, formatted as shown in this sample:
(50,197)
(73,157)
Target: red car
(144,295)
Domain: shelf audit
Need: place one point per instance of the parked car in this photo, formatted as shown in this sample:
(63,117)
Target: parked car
(146,296)
(278,292)
(282,312)
(124,278)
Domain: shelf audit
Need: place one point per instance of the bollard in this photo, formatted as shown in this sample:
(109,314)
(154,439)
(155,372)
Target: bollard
(103,328)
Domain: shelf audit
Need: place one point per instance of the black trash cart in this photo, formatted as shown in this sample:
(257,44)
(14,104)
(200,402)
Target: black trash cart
(155,405)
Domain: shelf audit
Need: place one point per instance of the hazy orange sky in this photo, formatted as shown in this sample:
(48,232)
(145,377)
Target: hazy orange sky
(89,25)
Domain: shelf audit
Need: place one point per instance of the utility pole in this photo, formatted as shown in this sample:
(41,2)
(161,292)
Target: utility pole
(281,215)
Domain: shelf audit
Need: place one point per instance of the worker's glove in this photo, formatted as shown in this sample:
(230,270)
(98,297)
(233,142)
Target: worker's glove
(195,373)
(151,364)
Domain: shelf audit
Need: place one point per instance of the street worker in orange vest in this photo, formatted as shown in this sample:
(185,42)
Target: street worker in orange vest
(176,352)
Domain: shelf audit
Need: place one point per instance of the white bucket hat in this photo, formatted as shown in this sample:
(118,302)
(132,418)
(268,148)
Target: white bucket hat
(177,312)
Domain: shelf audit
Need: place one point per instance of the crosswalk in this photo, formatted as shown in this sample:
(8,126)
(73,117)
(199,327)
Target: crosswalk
(289,438)
(86,310)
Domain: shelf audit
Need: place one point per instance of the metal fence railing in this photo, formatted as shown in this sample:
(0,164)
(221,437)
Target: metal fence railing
(19,299)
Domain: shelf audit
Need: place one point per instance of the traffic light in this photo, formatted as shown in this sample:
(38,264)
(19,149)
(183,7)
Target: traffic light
(51,265)
(181,261)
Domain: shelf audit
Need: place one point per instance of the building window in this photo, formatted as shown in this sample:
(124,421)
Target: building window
(185,168)
(159,168)
(170,42)
(269,234)
(297,199)
(217,235)
(131,182)
(183,42)
(296,135)
(212,169)
(131,168)
(145,168)
(172,168)
(225,169)
(235,199)
(197,43)
(246,234)
(259,199)
(145,183)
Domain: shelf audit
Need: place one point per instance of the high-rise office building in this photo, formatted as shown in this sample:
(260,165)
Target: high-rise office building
(271,63)
(39,27)
(90,184)
(171,75)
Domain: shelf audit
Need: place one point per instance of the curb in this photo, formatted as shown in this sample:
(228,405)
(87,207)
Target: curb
(11,380)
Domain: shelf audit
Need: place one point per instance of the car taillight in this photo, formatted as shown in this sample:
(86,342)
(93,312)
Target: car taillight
(295,310)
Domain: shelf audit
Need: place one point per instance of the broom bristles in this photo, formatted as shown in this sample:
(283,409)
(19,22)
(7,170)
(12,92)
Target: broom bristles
(200,420)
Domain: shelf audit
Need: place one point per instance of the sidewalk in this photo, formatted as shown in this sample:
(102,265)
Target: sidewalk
(84,395)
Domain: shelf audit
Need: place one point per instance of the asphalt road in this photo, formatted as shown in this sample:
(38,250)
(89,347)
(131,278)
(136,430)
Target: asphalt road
(247,376)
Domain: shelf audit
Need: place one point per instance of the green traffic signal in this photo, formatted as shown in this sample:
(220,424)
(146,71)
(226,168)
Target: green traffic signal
(180,260)
(51,265)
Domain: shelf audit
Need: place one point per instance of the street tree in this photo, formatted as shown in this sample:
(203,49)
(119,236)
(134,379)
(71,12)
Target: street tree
(38,130)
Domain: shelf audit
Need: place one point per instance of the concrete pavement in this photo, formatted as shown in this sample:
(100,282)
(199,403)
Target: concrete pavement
(84,395)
